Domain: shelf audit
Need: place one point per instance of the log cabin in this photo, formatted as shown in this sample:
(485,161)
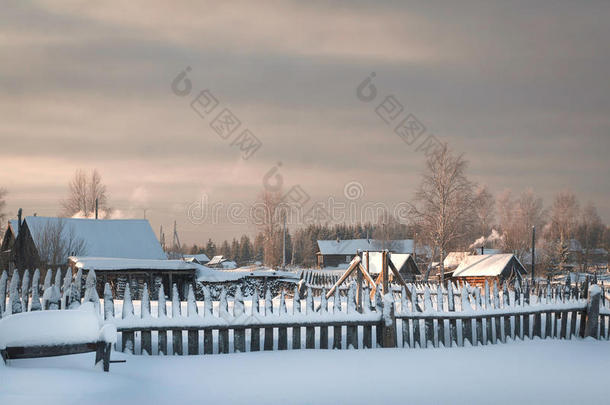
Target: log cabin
(477,269)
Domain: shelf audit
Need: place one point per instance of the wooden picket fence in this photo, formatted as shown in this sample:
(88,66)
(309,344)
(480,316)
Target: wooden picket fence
(418,316)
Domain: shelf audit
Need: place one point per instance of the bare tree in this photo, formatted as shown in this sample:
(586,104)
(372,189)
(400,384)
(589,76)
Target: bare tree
(3,193)
(564,218)
(483,203)
(268,217)
(387,231)
(516,217)
(83,191)
(56,241)
(589,232)
(443,202)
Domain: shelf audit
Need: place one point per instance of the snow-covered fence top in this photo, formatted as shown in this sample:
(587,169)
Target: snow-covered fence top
(416,316)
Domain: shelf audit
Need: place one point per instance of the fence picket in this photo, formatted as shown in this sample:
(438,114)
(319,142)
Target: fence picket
(337,329)
(146,338)
(282,332)
(255,333)
(268,343)
(161,313)
(296,309)
(239,333)
(324,312)
(223,312)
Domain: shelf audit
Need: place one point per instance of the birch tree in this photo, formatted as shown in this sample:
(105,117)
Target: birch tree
(443,201)
(83,191)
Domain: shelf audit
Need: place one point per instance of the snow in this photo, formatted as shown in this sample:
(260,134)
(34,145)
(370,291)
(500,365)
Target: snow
(53,327)
(483,265)
(541,372)
(130,238)
(350,247)
(214,275)
(113,263)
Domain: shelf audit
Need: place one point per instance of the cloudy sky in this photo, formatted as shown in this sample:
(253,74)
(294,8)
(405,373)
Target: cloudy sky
(521,87)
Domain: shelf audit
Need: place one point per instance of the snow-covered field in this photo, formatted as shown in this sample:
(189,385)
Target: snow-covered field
(531,372)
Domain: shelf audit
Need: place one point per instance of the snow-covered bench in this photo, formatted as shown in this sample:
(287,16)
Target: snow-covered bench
(56,333)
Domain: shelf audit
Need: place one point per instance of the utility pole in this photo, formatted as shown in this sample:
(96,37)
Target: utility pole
(96,205)
(533,252)
(284,244)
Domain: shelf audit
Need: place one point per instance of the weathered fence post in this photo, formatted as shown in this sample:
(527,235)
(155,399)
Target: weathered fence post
(268,343)
(191,312)
(223,311)
(239,334)
(591,328)
(388,321)
(282,331)
(310,331)
(323,312)
(255,333)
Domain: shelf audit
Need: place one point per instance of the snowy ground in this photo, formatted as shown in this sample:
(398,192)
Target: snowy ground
(536,372)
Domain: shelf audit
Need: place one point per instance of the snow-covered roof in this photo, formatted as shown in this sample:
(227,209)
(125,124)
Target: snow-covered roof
(114,263)
(127,238)
(398,259)
(484,265)
(14,225)
(352,246)
(216,260)
(207,274)
(200,257)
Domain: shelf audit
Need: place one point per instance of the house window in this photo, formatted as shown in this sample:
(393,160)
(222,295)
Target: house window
(348,259)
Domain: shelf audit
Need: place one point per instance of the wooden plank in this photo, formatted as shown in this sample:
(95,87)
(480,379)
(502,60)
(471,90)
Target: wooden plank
(296,338)
(239,340)
(128,342)
(223,341)
(177,341)
(208,341)
(146,342)
(162,342)
(354,263)
(193,342)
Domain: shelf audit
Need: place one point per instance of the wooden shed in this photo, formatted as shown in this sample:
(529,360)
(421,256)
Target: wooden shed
(118,272)
(477,269)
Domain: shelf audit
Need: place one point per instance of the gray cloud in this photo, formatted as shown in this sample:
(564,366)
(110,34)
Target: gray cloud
(521,88)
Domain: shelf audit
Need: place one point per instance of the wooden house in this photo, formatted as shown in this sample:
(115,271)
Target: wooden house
(47,242)
(7,254)
(338,253)
(477,269)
